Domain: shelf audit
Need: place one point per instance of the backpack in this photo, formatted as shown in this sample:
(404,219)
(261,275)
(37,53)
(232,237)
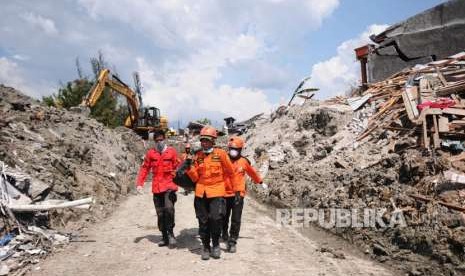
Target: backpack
(182,179)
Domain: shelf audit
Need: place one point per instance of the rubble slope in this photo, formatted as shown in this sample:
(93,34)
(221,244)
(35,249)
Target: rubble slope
(73,155)
(313,161)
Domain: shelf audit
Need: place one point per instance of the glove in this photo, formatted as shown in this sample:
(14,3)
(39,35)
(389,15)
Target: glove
(237,198)
(140,189)
(264,186)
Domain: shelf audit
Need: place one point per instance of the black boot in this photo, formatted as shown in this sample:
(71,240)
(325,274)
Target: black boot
(216,252)
(205,255)
(165,239)
(231,247)
(171,240)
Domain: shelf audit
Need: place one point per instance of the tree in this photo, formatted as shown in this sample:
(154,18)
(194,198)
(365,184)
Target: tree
(204,121)
(108,110)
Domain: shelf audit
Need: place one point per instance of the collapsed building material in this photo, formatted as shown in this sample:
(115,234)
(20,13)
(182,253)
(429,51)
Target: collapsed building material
(414,94)
(356,102)
(46,206)
(313,160)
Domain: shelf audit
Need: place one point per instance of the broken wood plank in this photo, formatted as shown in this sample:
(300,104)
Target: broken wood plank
(443,124)
(441,77)
(427,111)
(46,207)
(425,134)
(454,111)
(436,139)
(448,205)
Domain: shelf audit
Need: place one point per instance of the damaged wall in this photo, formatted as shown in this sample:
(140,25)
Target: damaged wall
(431,35)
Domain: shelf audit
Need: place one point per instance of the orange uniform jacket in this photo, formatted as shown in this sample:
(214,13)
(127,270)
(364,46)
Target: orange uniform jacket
(241,167)
(209,173)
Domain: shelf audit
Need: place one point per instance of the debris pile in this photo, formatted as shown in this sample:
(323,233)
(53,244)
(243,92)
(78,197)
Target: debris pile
(370,152)
(59,170)
(425,99)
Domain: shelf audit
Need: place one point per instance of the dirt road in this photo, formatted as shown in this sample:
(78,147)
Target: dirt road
(125,244)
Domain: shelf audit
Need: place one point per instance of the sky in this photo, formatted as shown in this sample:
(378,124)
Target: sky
(196,59)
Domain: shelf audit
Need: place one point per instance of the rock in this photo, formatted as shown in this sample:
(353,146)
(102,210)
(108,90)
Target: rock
(415,272)
(61,167)
(4,269)
(379,250)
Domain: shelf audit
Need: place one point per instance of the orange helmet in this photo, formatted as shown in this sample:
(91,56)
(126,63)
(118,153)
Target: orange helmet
(236,142)
(208,132)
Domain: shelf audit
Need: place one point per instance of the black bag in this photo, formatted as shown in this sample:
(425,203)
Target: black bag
(182,179)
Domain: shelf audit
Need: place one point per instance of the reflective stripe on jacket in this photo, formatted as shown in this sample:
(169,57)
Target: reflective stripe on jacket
(209,171)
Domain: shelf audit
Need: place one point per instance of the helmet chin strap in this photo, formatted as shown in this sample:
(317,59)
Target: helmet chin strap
(210,150)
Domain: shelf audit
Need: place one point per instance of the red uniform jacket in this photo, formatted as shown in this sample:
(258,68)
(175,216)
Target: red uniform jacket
(163,167)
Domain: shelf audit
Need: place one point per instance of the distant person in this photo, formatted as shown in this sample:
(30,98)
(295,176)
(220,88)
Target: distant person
(161,161)
(211,166)
(235,193)
(187,152)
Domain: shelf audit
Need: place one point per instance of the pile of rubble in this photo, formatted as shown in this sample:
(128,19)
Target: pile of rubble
(59,170)
(374,152)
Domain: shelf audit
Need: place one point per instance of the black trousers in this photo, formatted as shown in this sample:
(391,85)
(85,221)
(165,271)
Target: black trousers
(234,212)
(210,213)
(164,206)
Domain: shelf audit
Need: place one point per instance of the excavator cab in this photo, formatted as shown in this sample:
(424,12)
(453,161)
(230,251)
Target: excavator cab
(149,117)
(150,120)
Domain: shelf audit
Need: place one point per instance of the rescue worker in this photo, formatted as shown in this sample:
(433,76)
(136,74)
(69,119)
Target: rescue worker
(187,151)
(235,194)
(184,155)
(211,166)
(162,161)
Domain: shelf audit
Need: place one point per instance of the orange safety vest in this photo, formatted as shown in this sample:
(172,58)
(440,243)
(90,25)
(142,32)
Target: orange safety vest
(241,167)
(209,172)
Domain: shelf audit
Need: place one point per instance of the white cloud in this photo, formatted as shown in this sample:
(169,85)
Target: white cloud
(192,53)
(11,75)
(183,23)
(188,89)
(47,25)
(337,74)
(21,57)
(321,9)
(208,37)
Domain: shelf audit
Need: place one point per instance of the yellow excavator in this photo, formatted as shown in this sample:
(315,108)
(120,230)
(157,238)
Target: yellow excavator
(143,120)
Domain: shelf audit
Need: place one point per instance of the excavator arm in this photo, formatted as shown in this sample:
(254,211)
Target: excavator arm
(118,86)
(141,120)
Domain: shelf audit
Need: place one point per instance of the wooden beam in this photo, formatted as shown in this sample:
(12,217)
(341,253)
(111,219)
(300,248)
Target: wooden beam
(448,205)
(441,77)
(443,124)
(436,139)
(454,111)
(425,134)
